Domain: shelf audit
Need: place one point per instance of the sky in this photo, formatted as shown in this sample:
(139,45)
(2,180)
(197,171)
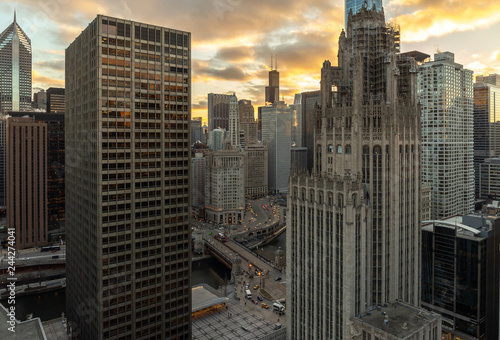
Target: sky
(233,40)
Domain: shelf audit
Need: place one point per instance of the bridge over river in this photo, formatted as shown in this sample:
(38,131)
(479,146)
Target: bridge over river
(226,252)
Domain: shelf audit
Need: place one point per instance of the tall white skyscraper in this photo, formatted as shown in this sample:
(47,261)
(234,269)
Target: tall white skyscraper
(445,91)
(128,95)
(15,69)
(234,121)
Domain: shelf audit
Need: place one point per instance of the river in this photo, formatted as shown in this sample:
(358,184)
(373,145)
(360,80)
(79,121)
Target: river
(268,250)
(50,305)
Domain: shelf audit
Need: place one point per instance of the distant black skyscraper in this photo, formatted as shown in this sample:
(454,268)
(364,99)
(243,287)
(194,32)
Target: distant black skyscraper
(55,100)
(273,90)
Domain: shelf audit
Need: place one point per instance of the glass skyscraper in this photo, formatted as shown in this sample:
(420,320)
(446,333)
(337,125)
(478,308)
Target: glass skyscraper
(355,6)
(15,69)
(486,124)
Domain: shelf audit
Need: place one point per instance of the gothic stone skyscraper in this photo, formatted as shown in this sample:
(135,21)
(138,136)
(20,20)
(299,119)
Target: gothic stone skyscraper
(127,181)
(15,69)
(354,238)
(356,5)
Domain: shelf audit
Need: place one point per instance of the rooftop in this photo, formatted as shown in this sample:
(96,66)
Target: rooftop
(235,323)
(403,319)
(25,330)
(204,296)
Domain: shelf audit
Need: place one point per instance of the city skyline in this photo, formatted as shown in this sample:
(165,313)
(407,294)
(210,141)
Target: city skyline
(232,49)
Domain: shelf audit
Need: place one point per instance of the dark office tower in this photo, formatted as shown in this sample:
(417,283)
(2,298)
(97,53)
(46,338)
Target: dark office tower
(218,111)
(259,123)
(196,130)
(310,100)
(15,69)
(273,90)
(355,6)
(26,181)
(460,274)
(354,222)
(486,124)
(55,100)
(55,167)
(127,181)
(247,120)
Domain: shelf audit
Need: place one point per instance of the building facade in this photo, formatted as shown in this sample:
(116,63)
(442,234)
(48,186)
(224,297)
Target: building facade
(256,170)
(218,111)
(216,139)
(225,186)
(40,100)
(297,120)
(26,183)
(426,203)
(55,165)
(354,223)
(56,100)
(247,121)
(310,102)
(234,121)
(298,159)
(196,130)
(460,274)
(277,135)
(446,94)
(198,166)
(489,178)
(15,69)
(128,88)
(486,123)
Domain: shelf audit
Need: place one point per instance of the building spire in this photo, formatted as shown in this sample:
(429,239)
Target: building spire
(14,15)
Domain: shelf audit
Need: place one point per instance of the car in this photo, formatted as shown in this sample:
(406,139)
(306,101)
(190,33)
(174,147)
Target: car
(278,279)
(256,287)
(264,305)
(255,301)
(260,298)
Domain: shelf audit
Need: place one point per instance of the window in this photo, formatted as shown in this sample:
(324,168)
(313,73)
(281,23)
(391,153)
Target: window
(348,149)
(340,200)
(339,149)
